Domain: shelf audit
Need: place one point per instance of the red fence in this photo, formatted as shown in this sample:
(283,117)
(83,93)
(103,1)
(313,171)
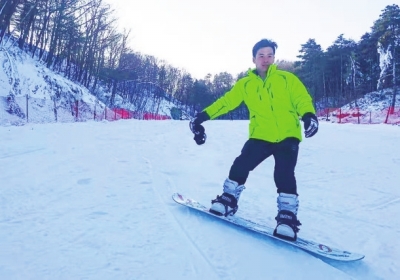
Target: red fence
(37,110)
(120,113)
(389,115)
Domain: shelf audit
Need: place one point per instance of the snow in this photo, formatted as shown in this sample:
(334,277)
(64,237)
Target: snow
(385,58)
(92,200)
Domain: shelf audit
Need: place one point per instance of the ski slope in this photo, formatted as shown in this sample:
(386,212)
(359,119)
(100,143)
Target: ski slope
(93,201)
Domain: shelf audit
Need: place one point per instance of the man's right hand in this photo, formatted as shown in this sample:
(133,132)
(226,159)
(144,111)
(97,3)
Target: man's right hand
(197,129)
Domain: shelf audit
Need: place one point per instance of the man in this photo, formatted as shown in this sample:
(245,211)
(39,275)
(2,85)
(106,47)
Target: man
(275,100)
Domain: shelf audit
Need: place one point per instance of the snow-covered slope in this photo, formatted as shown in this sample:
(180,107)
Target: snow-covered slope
(93,201)
(34,93)
(23,77)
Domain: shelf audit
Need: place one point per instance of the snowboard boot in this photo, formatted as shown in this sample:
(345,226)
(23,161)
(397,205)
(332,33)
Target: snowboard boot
(227,203)
(287,223)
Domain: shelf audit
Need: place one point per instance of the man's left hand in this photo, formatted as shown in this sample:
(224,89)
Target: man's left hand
(310,124)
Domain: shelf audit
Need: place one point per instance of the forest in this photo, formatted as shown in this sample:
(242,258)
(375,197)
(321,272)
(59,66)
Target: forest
(80,40)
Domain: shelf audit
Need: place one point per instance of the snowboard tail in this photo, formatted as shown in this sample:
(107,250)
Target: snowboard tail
(307,245)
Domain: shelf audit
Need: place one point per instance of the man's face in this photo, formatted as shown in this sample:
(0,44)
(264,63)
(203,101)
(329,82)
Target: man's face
(264,58)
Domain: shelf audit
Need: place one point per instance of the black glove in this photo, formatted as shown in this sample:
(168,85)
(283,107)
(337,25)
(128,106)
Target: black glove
(198,130)
(199,133)
(310,124)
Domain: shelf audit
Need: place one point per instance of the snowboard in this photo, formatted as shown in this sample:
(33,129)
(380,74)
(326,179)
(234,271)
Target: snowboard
(309,246)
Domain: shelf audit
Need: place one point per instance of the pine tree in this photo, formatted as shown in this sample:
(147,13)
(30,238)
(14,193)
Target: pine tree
(311,69)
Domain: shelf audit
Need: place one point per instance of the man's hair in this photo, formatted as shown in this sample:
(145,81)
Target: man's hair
(264,43)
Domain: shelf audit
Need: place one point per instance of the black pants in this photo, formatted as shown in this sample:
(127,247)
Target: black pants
(256,151)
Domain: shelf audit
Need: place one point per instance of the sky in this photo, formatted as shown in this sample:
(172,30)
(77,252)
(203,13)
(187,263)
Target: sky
(92,200)
(212,36)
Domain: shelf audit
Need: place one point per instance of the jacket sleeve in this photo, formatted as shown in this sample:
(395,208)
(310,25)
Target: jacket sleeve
(228,102)
(301,99)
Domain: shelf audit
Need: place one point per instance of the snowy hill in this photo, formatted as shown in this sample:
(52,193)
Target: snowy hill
(46,96)
(22,77)
(375,101)
(92,200)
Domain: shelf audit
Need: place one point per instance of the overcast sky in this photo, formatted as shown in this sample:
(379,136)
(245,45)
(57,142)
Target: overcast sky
(213,36)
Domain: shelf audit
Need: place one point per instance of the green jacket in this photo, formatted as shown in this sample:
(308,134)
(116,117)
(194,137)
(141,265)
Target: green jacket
(274,104)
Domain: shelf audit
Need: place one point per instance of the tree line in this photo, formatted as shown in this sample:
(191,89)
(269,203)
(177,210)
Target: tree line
(79,38)
(347,70)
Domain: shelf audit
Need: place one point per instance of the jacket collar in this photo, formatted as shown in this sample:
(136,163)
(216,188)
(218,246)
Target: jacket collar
(271,69)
